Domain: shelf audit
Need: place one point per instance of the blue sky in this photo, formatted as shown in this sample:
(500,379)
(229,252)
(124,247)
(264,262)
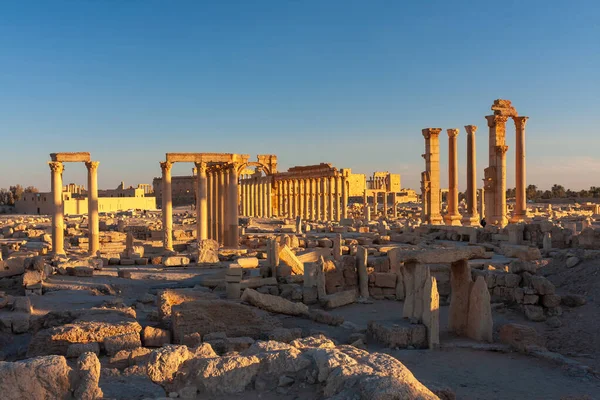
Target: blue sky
(346,82)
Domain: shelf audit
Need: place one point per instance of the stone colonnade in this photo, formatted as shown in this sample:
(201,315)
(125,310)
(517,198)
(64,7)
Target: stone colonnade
(312,198)
(257,195)
(58,224)
(493,194)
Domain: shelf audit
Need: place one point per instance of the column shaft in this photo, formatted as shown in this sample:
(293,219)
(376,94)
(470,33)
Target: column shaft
(330,193)
(58,223)
(167,206)
(202,202)
(93,220)
(520,211)
(472,216)
(452,217)
(233,208)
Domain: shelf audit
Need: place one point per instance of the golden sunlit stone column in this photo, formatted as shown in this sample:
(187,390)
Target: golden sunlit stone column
(520,211)
(301,198)
(330,214)
(313,196)
(338,198)
(202,202)
(344,197)
(222,204)
(269,196)
(471,218)
(232,207)
(306,198)
(209,188)
(318,198)
(495,174)
(431,177)
(288,198)
(58,223)
(93,220)
(452,217)
(167,206)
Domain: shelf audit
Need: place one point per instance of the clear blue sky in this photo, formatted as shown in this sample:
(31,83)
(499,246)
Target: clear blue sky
(347,82)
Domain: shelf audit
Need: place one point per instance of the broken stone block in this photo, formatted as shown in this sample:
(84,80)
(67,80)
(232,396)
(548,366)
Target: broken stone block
(274,304)
(460,281)
(479,321)
(399,334)
(339,299)
(287,256)
(431,313)
(175,261)
(155,337)
(126,341)
(534,313)
(542,285)
(324,317)
(550,301)
(573,300)
(520,337)
(385,279)
(77,349)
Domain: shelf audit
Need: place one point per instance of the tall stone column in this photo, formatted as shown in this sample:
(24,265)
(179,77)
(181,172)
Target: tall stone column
(520,211)
(344,197)
(58,223)
(330,195)
(394,204)
(375,203)
(202,202)
(306,198)
(93,220)
(318,198)
(301,198)
(481,202)
(232,207)
(471,218)
(167,206)
(222,205)
(385,203)
(338,198)
(432,173)
(495,174)
(452,217)
(296,198)
(209,213)
(312,202)
(269,196)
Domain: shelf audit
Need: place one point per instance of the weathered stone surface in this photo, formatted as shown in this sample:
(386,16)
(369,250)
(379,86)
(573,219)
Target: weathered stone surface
(479,323)
(175,261)
(87,378)
(12,266)
(274,304)
(155,337)
(573,300)
(520,337)
(247,262)
(207,316)
(125,341)
(519,266)
(324,317)
(438,256)
(339,299)
(431,313)
(534,313)
(415,279)
(361,266)
(57,340)
(398,333)
(287,256)
(77,349)
(223,374)
(542,285)
(385,279)
(172,297)
(525,253)
(460,282)
(163,363)
(208,251)
(35,378)
(551,300)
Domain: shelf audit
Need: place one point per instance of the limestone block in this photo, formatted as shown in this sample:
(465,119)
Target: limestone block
(361,266)
(531,299)
(321,283)
(77,349)
(233,290)
(512,280)
(274,303)
(175,261)
(520,337)
(542,285)
(12,266)
(337,247)
(438,256)
(550,301)
(521,252)
(155,337)
(573,300)
(287,256)
(339,299)
(385,279)
(415,279)
(87,377)
(460,282)
(431,313)
(398,334)
(534,313)
(247,262)
(324,317)
(36,378)
(254,283)
(479,323)
(126,341)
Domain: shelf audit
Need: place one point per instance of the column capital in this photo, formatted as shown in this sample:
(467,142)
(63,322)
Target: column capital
(56,166)
(501,149)
(471,129)
(520,122)
(92,165)
(201,167)
(494,120)
(166,166)
(452,133)
(428,132)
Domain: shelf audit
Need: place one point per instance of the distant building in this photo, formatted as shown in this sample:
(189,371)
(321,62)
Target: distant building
(75,200)
(183,190)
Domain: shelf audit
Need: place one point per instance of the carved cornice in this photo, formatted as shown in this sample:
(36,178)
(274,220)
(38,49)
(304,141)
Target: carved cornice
(452,133)
(201,167)
(56,166)
(166,166)
(429,132)
(501,149)
(494,120)
(471,129)
(520,122)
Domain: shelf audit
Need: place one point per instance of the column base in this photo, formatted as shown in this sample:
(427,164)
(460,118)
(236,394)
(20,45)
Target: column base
(499,221)
(471,220)
(517,218)
(436,220)
(453,219)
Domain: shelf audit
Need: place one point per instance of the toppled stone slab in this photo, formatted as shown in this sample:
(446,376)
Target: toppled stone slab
(525,253)
(175,261)
(274,304)
(207,316)
(437,256)
(287,256)
(339,299)
(398,333)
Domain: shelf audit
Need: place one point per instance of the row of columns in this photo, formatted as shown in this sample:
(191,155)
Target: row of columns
(217,211)
(494,191)
(256,196)
(58,224)
(324,198)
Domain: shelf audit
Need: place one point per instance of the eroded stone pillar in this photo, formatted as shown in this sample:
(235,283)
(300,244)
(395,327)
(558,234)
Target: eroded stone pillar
(210,196)
(167,206)
(301,198)
(93,220)
(313,199)
(222,205)
(321,199)
(330,195)
(432,176)
(306,198)
(471,218)
(520,211)
(452,217)
(269,196)
(58,222)
(202,202)
(345,197)
(338,197)
(232,207)
(495,174)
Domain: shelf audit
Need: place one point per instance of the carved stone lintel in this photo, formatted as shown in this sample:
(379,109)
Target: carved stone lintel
(92,165)
(56,166)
